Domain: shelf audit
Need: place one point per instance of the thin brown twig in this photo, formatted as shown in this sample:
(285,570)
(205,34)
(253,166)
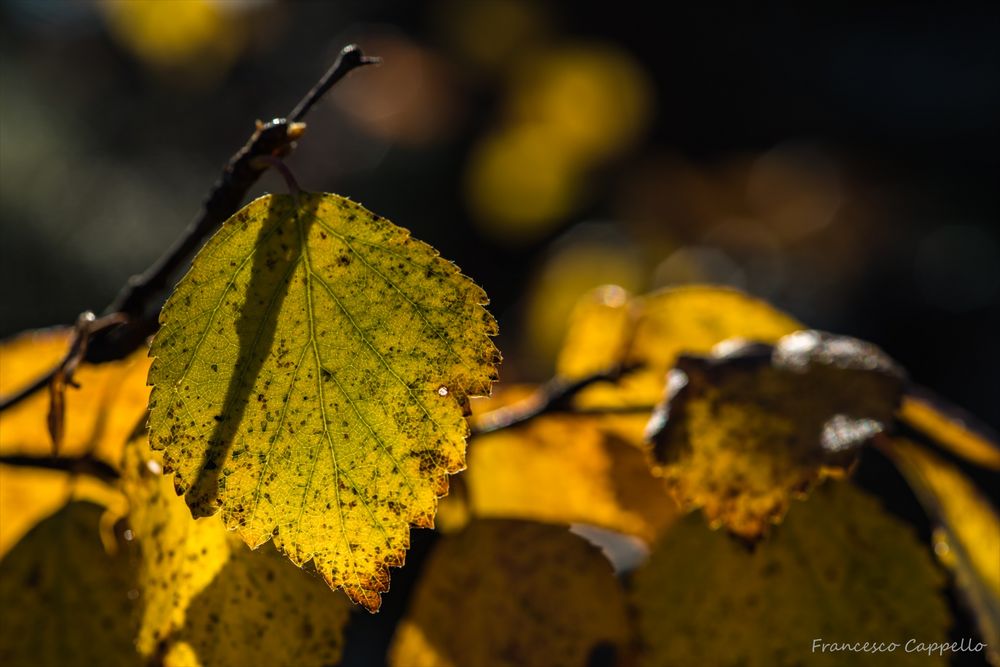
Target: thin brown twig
(86,326)
(555,396)
(350,58)
(273,139)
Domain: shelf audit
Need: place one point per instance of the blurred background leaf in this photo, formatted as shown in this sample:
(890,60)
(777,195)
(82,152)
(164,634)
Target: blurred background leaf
(839,566)
(512,593)
(61,566)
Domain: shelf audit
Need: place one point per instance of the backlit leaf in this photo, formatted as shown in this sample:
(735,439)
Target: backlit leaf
(511,593)
(748,428)
(693,319)
(65,601)
(572,271)
(967,537)
(28,495)
(838,570)
(599,329)
(311,380)
(453,512)
(567,469)
(658,328)
(100,415)
(29,355)
(205,595)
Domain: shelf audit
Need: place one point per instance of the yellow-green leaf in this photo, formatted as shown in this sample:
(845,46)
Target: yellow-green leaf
(967,537)
(206,598)
(839,570)
(65,601)
(178,556)
(748,428)
(311,380)
(509,593)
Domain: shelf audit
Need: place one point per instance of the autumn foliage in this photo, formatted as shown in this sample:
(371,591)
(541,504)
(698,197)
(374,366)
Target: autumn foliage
(748,437)
(320,384)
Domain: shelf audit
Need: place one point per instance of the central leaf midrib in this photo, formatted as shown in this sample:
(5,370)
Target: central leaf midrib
(322,406)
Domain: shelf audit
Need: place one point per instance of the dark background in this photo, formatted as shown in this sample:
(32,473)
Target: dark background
(841,162)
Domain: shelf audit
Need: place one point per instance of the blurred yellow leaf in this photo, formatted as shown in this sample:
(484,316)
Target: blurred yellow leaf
(206,596)
(100,416)
(28,495)
(839,570)
(570,109)
(180,556)
(651,331)
(598,331)
(453,509)
(692,320)
(576,271)
(594,469)
(519,186)
(745,430)
(967,538)
(311,381)
(199,38)
(511,593)
(181,654)
(25,357)
(67,602)
(567,469)
(950,432)
(593,100)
